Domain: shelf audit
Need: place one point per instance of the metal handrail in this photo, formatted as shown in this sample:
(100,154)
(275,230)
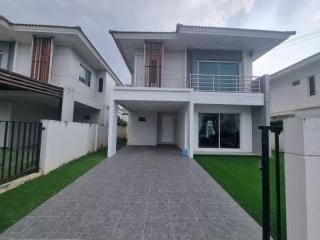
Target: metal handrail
(224,83)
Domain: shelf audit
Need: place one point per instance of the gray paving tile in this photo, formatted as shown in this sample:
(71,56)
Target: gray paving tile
(140,193)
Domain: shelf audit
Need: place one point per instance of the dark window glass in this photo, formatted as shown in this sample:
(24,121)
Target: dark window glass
(85,75)
(295,83)
(229,130)
(312,86)
(100,84)
(208,130)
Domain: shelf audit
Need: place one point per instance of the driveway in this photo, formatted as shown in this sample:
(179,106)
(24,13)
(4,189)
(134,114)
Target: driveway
(140,193)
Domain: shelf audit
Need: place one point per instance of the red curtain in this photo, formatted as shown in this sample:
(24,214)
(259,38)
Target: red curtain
(41,55)
(153,61)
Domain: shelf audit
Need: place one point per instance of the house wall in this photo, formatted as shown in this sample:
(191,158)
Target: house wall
(22,61)
(174,64)
(245,126)
(296,99)
(142,133)
(65,73)
(173,69)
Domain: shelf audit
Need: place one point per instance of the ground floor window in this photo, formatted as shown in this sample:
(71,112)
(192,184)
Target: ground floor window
(219,130)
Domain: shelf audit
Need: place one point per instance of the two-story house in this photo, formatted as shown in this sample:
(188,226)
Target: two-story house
(194,88)
(52,72)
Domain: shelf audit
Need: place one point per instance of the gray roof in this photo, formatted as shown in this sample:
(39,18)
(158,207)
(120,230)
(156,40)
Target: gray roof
(179,26)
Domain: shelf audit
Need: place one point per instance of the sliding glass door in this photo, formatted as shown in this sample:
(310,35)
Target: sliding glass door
(219,130)
(218,76)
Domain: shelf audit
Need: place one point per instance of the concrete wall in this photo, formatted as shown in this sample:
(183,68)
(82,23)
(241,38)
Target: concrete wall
(245,127)
(63,142)
(302,164)
(181,128)
(22,63)
(282,90)
(173,69)
(261,115)
(65,73)
(142,133)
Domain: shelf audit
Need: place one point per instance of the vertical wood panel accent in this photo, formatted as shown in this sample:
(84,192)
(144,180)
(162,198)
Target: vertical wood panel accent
(41,59)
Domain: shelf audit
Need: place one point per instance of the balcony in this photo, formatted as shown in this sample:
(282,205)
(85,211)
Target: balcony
(224,83)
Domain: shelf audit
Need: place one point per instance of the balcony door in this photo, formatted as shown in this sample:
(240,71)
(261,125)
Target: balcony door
(218,76)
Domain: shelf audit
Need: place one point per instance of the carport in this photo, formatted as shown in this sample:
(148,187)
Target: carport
(156,117)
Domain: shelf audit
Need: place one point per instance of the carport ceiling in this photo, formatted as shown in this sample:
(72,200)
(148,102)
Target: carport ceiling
(155,106)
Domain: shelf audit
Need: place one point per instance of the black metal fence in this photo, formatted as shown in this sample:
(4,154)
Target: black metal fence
(276,129)
(20,144)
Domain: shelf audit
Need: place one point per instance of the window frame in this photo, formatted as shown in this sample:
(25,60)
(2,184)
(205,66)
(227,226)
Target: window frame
(309,86)
(100,84)
(219,130)
(87,80)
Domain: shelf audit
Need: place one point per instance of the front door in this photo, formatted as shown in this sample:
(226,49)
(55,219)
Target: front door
(167,127)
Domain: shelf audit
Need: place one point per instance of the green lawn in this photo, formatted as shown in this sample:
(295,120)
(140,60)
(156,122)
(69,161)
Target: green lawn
(19,201)
(241,178)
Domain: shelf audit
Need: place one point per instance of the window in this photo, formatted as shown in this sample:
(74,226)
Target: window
(312,86)
(153,61)
(85,75)
(218,76)
(219,130)
(295,83)
(100,85)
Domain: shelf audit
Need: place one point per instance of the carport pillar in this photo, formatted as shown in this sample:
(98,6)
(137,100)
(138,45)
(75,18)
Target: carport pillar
(112,133)
(190,129)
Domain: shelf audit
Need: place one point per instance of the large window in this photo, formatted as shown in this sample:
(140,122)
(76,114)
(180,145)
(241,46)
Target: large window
(312,86)
(218,76)
(85,75)
(219,130)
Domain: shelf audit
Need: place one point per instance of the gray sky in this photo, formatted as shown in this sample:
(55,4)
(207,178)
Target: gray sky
(96,17)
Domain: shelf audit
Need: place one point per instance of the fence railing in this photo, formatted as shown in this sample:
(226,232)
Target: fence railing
(224,83)
(20,144)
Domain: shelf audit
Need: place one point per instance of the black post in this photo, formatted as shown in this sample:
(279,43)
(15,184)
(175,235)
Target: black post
(4,149)
(11,148)
(265,183)
(278,196)
(17,153)
(23,146)
(38,145)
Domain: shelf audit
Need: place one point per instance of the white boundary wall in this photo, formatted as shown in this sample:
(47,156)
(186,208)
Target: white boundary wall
(63,142)
(302,164)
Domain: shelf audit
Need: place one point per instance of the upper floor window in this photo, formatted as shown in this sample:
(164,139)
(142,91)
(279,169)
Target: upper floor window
(153,62)
(85,75)
(312,85)
(100,87)
(218,76)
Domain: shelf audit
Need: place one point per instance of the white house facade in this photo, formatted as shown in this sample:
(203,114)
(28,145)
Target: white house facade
(295,90)
(57,57)
(194,88)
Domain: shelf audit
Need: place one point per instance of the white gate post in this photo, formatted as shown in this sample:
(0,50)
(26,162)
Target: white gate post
(302,171)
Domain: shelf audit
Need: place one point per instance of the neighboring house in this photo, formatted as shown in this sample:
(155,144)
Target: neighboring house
(52,72)
(295,90)
(194,88)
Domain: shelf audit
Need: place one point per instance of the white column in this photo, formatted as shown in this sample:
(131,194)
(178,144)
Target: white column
(302,166)
(191,132)
(112,133)
(67,106)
